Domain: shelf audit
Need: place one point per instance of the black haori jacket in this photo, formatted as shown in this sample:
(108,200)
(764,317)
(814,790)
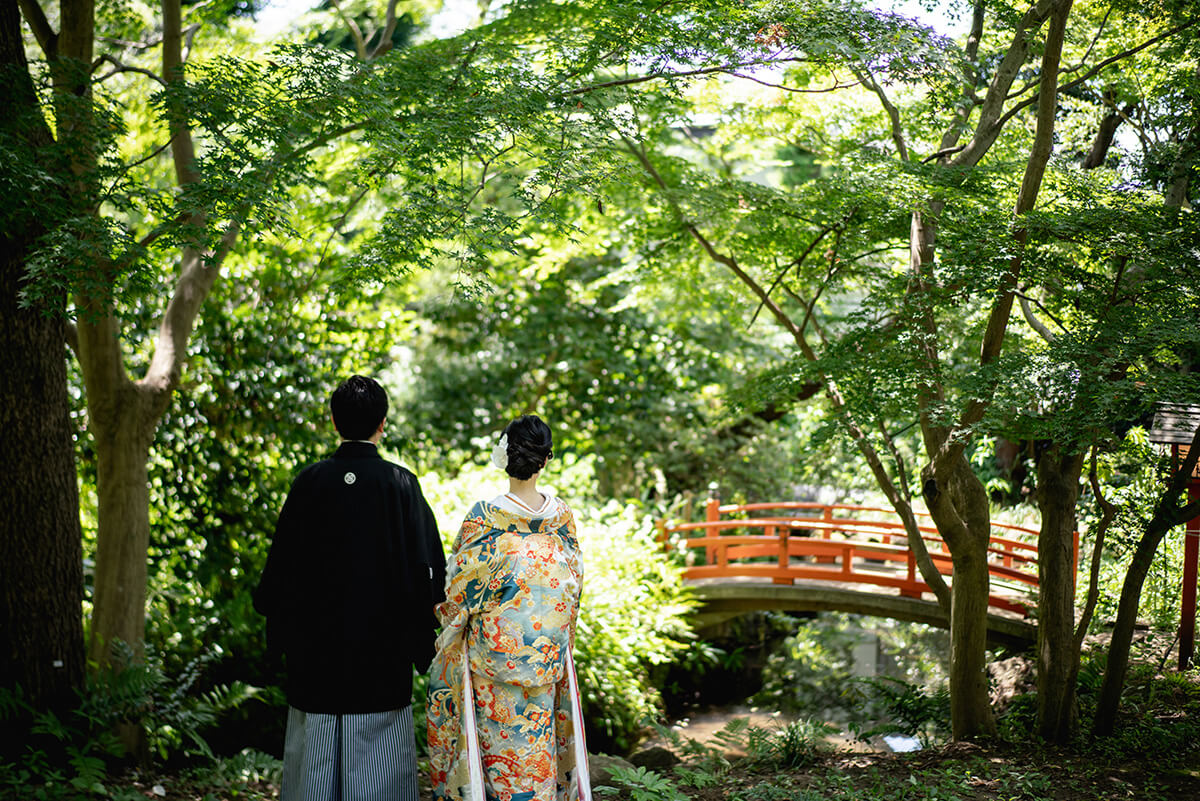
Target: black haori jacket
(351,581)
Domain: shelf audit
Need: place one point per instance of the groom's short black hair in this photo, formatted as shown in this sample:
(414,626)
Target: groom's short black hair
(359,406)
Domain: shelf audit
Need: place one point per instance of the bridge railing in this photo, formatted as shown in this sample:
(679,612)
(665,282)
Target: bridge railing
(844,543)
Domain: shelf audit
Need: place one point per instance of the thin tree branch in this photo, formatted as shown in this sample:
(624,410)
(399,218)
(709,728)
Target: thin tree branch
(809,316)
(829,274)
(656,76)
(360,44)
(125,170)
(1124,113)
(603,59)
(876,250)
(46,37)
(132,45)
(1095,39)
(797,262)
(946,151)
(189,36)
(120,66)
(1108,512)
(837,84)
(898,458)
(893,113)
(1097,69)
(389,28)
(1037,325)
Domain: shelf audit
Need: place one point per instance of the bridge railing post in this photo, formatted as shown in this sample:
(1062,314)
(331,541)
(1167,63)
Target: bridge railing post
(827,534)
(782,532)
(712,514)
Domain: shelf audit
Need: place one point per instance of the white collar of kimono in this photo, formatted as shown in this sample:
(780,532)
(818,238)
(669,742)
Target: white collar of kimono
(510,504)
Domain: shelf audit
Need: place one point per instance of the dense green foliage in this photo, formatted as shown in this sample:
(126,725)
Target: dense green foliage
(620,373)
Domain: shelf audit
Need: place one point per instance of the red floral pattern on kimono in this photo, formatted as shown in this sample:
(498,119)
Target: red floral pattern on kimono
(512,588)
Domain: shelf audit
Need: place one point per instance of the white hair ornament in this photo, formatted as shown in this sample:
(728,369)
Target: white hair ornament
(500,453)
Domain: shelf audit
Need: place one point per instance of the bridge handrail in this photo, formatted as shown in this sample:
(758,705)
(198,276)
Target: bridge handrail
(850,525)
(753,507)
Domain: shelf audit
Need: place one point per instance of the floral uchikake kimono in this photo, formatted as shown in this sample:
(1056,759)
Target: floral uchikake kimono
(510,727)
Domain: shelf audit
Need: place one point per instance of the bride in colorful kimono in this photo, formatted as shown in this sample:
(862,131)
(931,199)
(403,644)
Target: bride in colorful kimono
(503,707)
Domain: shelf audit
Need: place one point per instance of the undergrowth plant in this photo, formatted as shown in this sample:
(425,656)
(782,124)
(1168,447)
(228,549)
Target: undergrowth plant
(73,756)
(906,709)
(641,784)
(796,744)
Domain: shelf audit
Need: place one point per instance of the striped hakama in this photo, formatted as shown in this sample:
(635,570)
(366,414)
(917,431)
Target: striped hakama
(359,757)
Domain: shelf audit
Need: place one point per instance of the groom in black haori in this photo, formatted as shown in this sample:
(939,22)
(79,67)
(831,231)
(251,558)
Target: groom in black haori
(349,589)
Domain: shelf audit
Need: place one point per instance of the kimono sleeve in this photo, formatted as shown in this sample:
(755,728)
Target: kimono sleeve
(274,596)
(428,577)
(468,574)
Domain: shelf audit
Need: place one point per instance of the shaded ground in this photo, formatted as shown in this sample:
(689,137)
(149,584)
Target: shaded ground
(959,772)
(954,773)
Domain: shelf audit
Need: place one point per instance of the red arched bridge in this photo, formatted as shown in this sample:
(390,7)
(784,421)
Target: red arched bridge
(798,556)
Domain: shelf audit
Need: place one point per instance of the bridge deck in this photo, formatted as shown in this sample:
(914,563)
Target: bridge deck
(723,599)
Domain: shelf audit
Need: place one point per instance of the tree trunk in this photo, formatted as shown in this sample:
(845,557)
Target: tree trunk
(1059,471)
(1105,135)
(123,536)
(41,562)
(41,559)
(1167,515)
(123,416)
(970,707)
(1122,635)
(959,508)
(125,413)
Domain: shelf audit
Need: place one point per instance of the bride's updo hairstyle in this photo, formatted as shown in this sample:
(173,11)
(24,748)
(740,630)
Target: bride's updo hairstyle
(529,446)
